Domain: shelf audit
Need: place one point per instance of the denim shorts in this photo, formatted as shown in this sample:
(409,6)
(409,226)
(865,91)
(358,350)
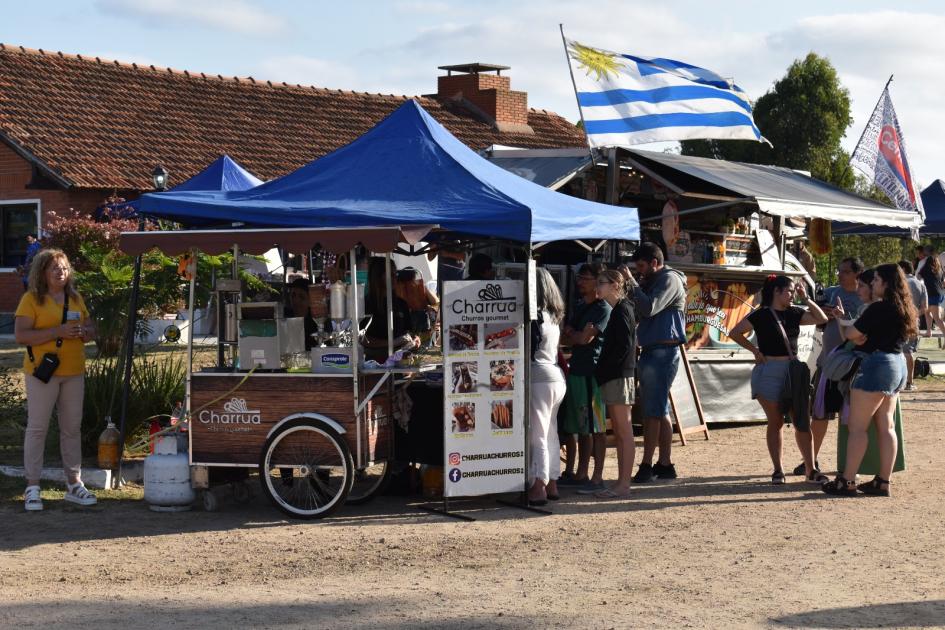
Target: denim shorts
(767,380)
(936,300)
(881,372)
(657,368)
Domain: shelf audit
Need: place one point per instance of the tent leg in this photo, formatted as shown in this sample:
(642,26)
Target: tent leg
(129,354)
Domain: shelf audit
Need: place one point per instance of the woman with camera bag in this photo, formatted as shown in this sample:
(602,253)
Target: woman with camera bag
(53,323)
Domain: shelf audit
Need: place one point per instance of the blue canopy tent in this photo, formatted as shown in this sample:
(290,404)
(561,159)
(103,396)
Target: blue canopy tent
(223,174)
(933,201)
(407,170)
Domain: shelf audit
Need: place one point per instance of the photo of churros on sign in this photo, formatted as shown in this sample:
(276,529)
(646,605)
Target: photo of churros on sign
(464,417)
(464,337)
(501,375)
(465,375)
(501,337)
(501,415)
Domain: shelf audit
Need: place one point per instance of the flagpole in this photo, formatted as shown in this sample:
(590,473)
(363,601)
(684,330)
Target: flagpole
(577,100)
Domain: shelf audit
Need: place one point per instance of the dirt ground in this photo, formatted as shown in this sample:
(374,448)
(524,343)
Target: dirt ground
(717,548)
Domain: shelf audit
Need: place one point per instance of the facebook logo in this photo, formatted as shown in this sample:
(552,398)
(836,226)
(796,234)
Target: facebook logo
(455,475)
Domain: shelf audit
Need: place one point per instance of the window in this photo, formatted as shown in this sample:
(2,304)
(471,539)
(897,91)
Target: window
(17,220)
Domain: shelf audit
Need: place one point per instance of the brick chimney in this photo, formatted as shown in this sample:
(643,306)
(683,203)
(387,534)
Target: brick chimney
(487,95)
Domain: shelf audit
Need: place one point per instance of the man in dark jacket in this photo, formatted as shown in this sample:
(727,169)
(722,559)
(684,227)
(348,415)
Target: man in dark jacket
(660,304)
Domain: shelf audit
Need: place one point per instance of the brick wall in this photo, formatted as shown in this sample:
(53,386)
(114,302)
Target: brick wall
(15,174)
(490,93)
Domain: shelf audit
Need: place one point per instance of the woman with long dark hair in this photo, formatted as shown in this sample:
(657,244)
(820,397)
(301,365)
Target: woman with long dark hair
(777,325)
(614,374)
(930,272)
(880,333)
(547,391)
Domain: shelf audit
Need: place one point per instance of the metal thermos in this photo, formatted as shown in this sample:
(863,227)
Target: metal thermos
(231,325)
(337,300)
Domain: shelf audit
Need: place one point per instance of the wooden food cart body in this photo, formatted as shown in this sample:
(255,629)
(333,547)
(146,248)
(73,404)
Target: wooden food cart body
(232,426)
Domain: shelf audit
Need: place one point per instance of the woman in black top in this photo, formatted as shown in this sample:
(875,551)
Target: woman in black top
(778,318)
(930,271)
(880,333)
(614,374)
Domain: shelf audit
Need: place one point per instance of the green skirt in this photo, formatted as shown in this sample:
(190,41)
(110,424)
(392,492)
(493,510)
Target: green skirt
(870,463)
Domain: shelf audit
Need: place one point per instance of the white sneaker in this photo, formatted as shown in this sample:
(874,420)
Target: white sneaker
(78,494)
(32,501)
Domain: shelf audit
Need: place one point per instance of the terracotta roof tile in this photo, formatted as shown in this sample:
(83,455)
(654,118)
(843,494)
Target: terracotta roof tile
(106,124)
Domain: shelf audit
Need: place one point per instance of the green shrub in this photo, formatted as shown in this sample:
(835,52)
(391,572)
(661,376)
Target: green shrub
(12,409)
(157,384)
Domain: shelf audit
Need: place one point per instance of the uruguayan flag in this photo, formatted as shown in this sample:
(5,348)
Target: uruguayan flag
(627,100)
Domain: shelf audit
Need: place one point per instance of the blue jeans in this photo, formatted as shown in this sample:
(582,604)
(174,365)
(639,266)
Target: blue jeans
(658,366)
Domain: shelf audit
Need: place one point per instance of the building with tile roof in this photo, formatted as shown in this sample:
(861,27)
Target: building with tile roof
(75,129)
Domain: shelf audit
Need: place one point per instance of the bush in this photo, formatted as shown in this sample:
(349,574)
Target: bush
(157,384)
(12,409)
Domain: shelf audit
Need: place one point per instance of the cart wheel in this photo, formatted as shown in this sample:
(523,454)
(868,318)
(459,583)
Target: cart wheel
(210,501)
(369,482)
(241,492)
(306,468)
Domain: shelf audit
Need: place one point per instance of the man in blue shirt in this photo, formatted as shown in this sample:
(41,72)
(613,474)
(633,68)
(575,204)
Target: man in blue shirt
(660,305)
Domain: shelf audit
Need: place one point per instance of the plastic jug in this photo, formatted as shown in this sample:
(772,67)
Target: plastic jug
(108,446)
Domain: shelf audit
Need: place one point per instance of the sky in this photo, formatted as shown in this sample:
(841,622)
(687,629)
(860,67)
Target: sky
(395,47)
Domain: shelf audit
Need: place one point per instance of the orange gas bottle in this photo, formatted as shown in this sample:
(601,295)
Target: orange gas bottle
(108,446)
(431,478)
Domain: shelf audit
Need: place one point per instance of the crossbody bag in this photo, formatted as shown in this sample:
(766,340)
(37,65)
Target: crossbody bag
(795,395)
(50,362)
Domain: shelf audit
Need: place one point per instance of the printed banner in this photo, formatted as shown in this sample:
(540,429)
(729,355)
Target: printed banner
(484,387)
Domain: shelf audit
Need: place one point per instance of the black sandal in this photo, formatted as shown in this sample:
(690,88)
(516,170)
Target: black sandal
(818,478)
(777,478)
(839,487)
(875,487)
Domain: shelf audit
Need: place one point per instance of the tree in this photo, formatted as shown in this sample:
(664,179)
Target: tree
(805,116)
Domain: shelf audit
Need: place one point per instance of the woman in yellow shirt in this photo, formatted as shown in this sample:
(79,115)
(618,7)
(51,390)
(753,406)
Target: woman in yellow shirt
(52,318)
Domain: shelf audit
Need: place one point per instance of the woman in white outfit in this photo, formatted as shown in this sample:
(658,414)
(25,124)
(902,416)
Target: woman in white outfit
(547,392)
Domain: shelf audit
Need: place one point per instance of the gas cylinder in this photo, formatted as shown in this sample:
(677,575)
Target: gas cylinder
(167,476)
(108,446)
(431,478)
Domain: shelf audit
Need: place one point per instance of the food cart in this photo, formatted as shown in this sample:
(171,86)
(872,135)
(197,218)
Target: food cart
(318,439)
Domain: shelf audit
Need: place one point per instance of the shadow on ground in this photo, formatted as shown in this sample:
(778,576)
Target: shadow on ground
(113,518)
(300,613)
(925,614)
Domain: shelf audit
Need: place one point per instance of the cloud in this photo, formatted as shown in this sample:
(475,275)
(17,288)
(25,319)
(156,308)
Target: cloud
(302,70)
(236,16)
(423,7)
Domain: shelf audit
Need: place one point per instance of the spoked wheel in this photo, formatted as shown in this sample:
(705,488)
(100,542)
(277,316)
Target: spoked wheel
(368,483)
(306,468)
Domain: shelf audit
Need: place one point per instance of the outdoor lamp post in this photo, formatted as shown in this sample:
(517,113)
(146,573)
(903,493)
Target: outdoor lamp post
(159,178)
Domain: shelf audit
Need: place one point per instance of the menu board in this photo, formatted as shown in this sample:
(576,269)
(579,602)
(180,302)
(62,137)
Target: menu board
(484,386)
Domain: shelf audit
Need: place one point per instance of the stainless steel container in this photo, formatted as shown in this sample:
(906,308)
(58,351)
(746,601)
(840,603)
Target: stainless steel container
(230,327)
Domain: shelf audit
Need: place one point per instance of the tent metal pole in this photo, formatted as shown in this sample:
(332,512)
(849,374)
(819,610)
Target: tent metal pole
(129,355)
(390,303)
(526,364)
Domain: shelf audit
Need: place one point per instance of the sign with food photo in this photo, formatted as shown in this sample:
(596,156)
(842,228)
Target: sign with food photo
(484,432)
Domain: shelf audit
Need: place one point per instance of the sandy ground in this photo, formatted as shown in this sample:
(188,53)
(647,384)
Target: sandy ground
(718,548)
